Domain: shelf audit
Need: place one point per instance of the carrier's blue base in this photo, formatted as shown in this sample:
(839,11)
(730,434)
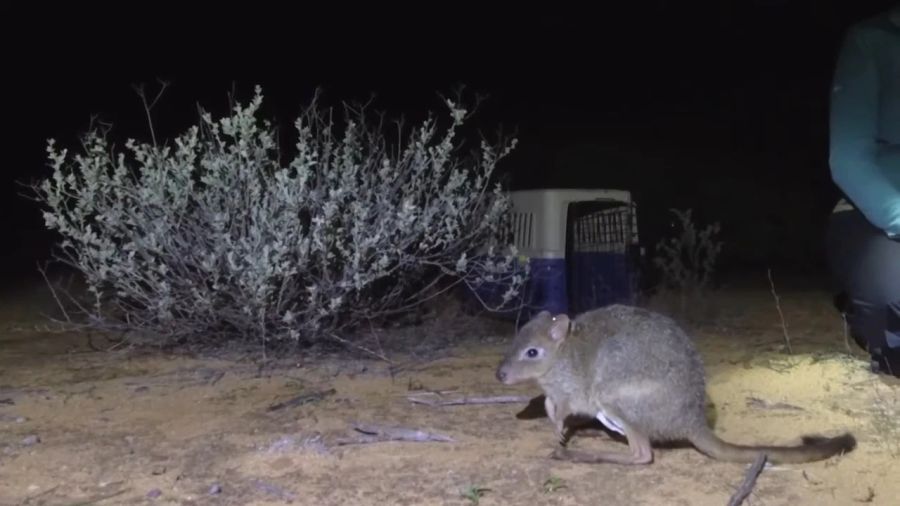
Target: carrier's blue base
(546,287)
(598,279)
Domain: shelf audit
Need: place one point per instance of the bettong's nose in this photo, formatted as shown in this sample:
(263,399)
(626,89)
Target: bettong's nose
(501,375)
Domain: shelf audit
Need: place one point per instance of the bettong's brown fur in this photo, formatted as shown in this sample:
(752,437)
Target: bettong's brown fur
(639,373)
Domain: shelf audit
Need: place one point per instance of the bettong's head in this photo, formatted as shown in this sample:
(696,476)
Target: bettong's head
(534,350)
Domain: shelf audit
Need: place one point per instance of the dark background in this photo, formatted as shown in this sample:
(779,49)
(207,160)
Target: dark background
(717,106)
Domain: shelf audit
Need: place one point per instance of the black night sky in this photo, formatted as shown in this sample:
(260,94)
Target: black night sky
(722,109)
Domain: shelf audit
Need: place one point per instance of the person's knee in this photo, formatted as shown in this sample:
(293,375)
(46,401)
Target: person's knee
(874,289)
(892,326)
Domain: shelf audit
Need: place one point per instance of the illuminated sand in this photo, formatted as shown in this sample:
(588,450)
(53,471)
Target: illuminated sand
(116,426)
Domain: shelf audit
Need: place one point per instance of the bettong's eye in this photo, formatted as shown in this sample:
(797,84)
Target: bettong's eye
(532,353)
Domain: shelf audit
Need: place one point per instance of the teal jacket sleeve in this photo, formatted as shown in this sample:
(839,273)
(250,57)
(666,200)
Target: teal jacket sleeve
(868,171)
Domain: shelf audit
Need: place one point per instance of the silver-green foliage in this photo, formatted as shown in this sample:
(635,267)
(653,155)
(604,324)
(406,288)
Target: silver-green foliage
(687,262)
(214,236)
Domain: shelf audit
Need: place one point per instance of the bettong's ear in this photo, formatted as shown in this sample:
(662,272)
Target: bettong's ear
(559,330)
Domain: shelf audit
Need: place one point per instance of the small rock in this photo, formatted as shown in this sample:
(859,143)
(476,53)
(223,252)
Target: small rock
(129,440)
(215,489)
(141,389)
(153,494)
(21,419)
(31,440)
(33,488)
(158,470)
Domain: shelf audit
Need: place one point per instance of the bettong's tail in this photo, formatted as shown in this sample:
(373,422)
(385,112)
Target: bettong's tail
(813,448)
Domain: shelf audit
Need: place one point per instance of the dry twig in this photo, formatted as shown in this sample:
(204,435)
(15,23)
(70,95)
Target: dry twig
(746,486)
(302,399)
(378,434)
(435,399)
(787,338)
(375,354)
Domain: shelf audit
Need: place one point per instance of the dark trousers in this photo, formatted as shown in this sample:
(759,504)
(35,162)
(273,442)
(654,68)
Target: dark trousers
(865,265)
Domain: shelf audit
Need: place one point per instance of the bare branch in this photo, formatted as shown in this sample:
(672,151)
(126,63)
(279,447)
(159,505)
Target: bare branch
(784,330)
(139,89)
(59,304)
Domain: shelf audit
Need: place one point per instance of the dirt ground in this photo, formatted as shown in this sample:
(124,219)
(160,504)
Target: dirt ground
(142,426)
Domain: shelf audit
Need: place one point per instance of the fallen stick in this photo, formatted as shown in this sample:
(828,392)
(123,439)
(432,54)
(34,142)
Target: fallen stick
(756,402)
(746,487)
(502,399)
(379,434)
(302,399)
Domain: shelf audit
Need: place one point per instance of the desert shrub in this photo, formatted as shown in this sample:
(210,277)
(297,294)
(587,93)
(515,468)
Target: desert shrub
(686,262)
(213,237)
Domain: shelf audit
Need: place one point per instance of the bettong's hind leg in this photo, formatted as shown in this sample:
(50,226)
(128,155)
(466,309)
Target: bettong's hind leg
(638,443)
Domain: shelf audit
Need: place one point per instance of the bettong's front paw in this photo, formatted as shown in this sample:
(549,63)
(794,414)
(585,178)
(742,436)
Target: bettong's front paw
(561,453)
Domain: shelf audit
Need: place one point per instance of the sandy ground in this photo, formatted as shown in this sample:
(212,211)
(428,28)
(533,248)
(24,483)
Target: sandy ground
(133,426)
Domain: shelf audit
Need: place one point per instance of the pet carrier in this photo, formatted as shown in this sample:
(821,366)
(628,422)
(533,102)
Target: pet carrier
(581,246)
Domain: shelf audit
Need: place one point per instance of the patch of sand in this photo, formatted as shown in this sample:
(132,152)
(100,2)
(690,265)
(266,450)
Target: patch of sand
(115,426)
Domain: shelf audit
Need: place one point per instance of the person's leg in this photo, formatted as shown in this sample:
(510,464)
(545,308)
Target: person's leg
(866,265)
(892,336)
(839,237)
